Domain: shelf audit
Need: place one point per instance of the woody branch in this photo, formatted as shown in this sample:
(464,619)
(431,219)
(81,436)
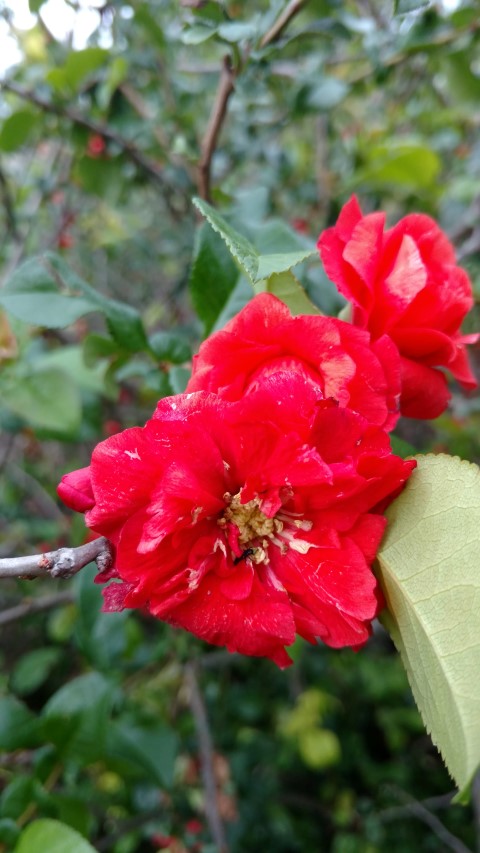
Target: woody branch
(62,563)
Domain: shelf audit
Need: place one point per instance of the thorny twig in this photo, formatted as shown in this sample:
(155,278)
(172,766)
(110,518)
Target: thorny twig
(62,563)
(205,746)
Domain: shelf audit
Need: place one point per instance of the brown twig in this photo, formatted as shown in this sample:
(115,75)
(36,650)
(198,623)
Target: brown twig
(63,563)
(35,605)
(292,9)
(214,126)
(226,86)
(205,746)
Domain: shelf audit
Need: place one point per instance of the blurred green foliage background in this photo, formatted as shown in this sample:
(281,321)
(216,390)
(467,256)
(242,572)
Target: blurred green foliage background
(276,112)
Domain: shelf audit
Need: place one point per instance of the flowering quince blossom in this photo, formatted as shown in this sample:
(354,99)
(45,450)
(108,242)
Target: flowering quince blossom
(245,522)
(404,282)
(336,357)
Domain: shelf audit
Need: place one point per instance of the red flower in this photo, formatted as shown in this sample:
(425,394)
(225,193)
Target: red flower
(405,283)
(336,357)
(96,145)
(246,522)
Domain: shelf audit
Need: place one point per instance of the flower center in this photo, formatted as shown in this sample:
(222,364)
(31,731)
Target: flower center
(256,531)
(249,519)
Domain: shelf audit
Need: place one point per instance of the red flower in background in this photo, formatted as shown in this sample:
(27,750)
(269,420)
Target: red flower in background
(338,359)
(96,145)
(245,522)
(404,282)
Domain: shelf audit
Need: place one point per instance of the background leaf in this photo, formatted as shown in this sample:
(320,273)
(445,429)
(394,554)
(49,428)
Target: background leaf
(51,835)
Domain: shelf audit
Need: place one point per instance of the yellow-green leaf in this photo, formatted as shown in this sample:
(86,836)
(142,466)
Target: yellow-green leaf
(428,566)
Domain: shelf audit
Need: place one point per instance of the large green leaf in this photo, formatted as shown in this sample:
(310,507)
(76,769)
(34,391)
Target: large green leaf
(45,291)
(428,568)
(212,277)
(76,718)
(79,64)
(256,266)
(52,836)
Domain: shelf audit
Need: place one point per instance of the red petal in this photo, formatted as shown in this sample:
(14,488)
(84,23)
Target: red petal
(75,490)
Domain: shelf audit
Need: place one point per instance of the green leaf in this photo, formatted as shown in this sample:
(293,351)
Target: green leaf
(100,177)
(16,130)
(76,718)
(70,360)
(52,836)
(290,291)
(9,832)
(256,266)
(178,378)
(401,447)
(463,84)
(154,750)
(275,264)
(32,294)
(46,399)
(17,796)
(212,277)
(52,311)
(79,64)
(235,31)
(197,34)
(124,322)
(81,694)
(35,5)
(327,93)
(33,669)
(18,726)
(240,247)
(407,165)
(170,346)
(428,568)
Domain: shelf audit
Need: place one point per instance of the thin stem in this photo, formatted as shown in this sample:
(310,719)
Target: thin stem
(292,9)
(63,563)
(214,126)
(414,808)
(205,746)
(35,605)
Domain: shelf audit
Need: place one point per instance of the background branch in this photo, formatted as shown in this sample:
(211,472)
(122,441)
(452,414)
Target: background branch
(35,605)
(62,563)
(293,8)
(146,164)
(205,746)
(214,126)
